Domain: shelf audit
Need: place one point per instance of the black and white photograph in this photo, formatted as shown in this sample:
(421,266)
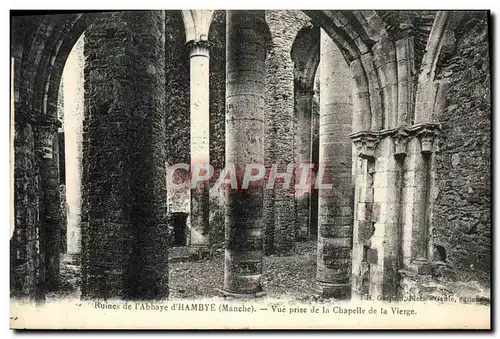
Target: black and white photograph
(250,169)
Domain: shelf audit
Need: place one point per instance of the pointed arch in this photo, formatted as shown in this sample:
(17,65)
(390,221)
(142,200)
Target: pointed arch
(197,24)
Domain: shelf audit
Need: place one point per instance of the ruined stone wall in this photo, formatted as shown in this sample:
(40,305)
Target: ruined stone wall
(279,203)
(461,220)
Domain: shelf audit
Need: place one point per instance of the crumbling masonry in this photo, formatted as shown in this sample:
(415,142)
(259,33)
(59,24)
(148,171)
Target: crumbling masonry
(400,94)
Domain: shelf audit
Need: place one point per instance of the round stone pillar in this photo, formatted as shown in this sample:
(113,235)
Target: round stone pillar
(125,237)
(50,216)
(335,152)
(200,136)
(246,79)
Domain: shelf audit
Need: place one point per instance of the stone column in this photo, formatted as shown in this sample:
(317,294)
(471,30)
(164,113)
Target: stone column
(416,195)
(125,243)
(73,124)
(303,113)
(50,217)
(384,253)
(365,213)
(335,153)
(25,249)
(246,76)
(200,134)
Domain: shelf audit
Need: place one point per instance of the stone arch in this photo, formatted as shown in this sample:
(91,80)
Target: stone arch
(45,58)
(440,37)
(197,24)
(355,44)
(305,55)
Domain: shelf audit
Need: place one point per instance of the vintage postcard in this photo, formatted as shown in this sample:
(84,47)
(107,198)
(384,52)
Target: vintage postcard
(251,169)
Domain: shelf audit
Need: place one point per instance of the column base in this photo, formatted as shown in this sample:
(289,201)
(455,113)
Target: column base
(232,295)
(333,291)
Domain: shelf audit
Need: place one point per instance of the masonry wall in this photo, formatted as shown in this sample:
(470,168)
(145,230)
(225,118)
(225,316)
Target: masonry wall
(461,219)
(279,202)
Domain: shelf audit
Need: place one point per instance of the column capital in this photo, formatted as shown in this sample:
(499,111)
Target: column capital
(45,130)
(199,48)
(366,143)
(400,138)
(427,133)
